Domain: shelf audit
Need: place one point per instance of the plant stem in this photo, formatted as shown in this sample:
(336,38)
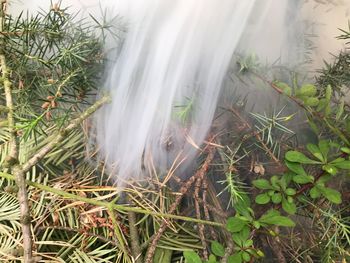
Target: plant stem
(117,207)
(12,158)
(61,135)
(184,189)
(134,238)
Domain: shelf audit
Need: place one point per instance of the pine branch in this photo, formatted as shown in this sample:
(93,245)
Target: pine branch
(61,135)
(184,189)
(108,205)
(12,158)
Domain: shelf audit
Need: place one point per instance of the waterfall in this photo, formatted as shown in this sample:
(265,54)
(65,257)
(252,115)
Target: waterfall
(166,79)
(166,75)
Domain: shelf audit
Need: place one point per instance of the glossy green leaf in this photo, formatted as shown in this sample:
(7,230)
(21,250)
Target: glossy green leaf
(245,256)
(235,258)
(324,148)
(192,257)
(217,249)
(296,168)
(290,191)
(212,259)
(262,199)
(276,198)
(235,224)
(314,192)
(332,195)
(343,165)
(262,184)
(315,151)
(273,217)
(303,179)
(290,208)
(298,157)
(331,169)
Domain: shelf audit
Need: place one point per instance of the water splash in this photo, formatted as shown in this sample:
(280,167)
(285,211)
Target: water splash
(175,55)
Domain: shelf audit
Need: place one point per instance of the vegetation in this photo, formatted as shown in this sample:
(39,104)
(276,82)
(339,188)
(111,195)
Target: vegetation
(269,187)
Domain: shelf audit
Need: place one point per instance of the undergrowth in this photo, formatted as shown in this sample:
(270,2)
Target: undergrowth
(269,187)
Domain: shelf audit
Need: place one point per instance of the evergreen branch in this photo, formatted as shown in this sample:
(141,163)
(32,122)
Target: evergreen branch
(184,189)
(121,208)
(59,136)
(12,158)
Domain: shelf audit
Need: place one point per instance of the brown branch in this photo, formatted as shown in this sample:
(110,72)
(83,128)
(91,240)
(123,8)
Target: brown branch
(183,190)
(134,238)
(198,215)
(12,158)
(61,135)
(206,209)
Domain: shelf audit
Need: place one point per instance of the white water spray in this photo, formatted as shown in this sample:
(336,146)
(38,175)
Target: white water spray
(175,53)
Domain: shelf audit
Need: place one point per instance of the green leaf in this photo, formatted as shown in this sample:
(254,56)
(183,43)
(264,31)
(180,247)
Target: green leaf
(314,192)
(235,224)
(312,102)
(328,93)
(324,148)
(244,233)
(303,179)
(340,110)
(296,168)
(276,198)
(308,90)
(238,240)
(217,249)
(248,243)
(290,208)
(330,169)
(343,165)
(290,191)
(235,258)
(192,257)
(262,184)
(245,256)
(345,150)
(273,217)
(298,157)
(274,182)
(284,87)
(262,199)
(322,104)
(315,151)
(211,259)
(332,195)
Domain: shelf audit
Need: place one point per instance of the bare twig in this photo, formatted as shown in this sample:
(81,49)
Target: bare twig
(183,191)
(198,215)
(134,238)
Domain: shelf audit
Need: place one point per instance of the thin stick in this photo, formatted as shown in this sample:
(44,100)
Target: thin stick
(134,238)
(183,190)
(198,214)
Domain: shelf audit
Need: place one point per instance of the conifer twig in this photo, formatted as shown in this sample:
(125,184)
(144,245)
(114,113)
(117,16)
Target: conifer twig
(12,158)
(61,135)
(183,190)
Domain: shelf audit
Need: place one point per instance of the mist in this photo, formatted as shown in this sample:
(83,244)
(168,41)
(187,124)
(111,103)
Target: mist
(166,75)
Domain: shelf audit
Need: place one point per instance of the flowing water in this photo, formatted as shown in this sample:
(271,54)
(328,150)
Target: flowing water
(166,76)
